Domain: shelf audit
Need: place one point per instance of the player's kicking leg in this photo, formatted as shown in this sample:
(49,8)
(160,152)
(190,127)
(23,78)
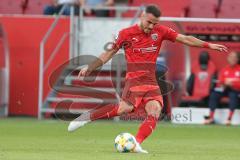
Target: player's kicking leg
(107,111)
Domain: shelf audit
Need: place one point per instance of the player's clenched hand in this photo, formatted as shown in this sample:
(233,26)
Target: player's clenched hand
(84,72)
(218,47)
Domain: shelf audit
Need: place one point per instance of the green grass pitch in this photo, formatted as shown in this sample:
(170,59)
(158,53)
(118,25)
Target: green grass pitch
(30,139)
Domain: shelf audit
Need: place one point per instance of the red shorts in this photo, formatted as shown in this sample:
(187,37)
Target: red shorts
(136,93)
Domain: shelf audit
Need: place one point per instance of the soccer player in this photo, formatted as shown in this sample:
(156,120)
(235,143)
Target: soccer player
(141,86)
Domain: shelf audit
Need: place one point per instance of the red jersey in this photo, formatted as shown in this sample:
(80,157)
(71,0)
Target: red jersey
(142,49)
(232,73)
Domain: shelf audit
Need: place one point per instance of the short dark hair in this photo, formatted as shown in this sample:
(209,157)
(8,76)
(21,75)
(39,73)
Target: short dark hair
(153,9)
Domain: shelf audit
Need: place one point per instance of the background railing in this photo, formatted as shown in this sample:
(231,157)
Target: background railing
(4,73)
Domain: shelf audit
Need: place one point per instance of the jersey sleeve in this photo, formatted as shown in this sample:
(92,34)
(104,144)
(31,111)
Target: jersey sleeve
(119,40)
(170,34)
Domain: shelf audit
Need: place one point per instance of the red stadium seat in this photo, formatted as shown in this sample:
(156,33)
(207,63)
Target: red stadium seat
(37,6)
(229,9)
(202,81)
(199,90)
(10,7)
(203,8)
(15,6)
(170,8)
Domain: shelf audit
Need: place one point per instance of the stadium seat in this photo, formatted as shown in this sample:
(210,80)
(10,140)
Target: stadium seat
(203,8)
(37,6)
(200,82)
(229,9)
(170,8)
(16,6)
(10,7)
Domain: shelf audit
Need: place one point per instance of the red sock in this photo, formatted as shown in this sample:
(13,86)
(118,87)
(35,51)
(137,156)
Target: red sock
(107,111)
(230,115)
(211,114)
(146,128)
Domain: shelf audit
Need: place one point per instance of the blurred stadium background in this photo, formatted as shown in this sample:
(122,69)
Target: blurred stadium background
(40,92)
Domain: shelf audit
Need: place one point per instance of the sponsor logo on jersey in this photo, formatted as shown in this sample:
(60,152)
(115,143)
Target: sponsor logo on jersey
(145,50)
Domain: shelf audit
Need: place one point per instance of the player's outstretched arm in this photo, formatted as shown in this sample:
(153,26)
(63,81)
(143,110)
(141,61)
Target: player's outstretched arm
(194,42)
(101,60)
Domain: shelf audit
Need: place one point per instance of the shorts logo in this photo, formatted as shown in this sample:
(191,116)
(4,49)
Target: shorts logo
(154,36)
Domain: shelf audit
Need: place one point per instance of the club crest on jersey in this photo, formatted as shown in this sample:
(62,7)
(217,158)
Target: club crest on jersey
(154,36)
